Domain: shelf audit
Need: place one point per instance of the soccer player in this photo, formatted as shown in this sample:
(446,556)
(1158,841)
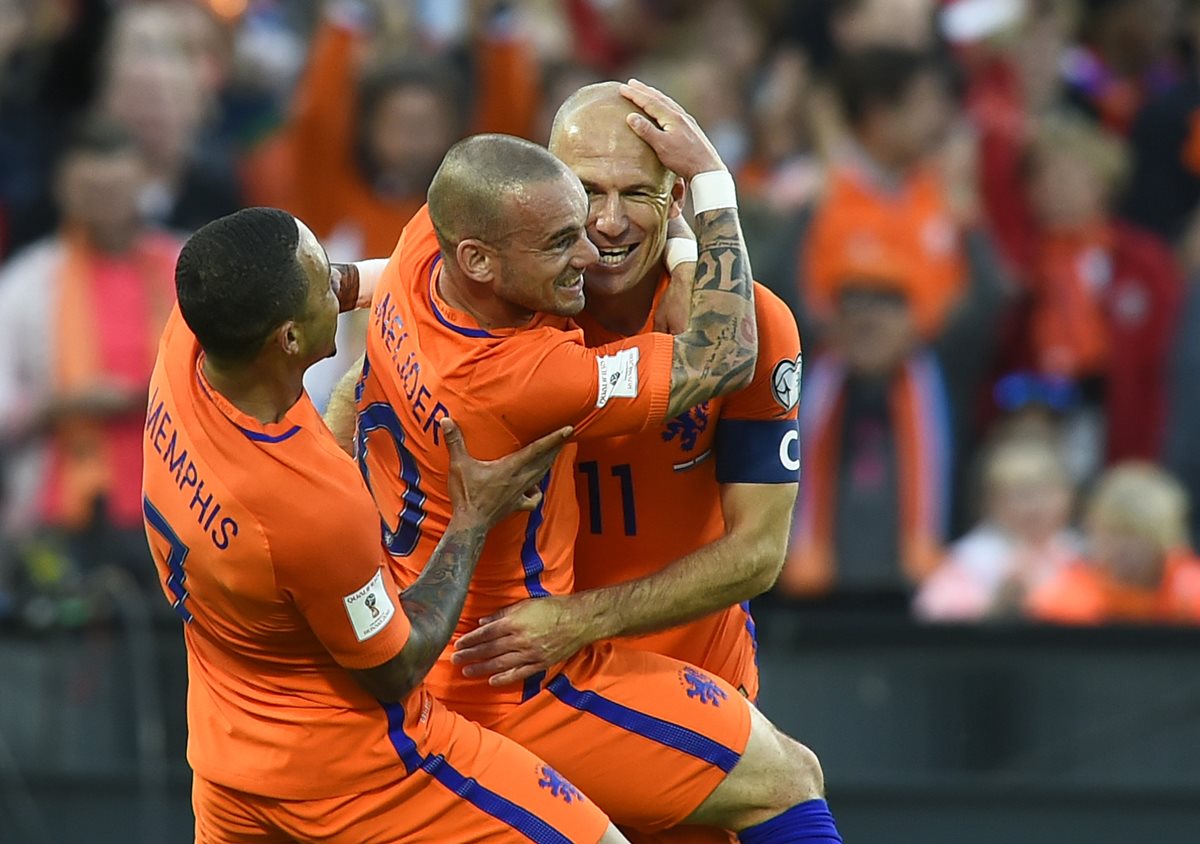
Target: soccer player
(268,548)
(727,468)
(471,319)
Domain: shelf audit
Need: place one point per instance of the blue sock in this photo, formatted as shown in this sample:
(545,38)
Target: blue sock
(807,823)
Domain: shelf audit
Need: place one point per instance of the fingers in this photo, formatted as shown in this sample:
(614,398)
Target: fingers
(454,439)
(652,101)
(516,675)
(547,447)
(504,662)
(489,631)
(535,459)
(530,500)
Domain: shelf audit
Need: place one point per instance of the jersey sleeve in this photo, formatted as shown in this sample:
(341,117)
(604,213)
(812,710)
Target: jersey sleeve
(620,388)
(331,567)
(758,439)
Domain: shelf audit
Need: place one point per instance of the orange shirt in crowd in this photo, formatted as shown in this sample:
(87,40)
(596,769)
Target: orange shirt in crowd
(1083,594)
(904,236)
(505,387)
(310,169)
(649,498)
(267,546)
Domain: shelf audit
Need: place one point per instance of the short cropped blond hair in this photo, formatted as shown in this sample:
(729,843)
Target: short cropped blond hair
(1140,499)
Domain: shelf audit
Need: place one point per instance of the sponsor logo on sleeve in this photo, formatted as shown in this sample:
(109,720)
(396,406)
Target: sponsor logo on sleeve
(617,375)
(785,382)
(370,608)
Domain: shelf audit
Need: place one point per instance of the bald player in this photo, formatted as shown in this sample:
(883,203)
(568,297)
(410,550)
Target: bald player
(307,718)
(472,319)
(727,468)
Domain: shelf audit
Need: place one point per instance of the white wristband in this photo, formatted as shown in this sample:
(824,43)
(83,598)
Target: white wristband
(711,190)
(680,250)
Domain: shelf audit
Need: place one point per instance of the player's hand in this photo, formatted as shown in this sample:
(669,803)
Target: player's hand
(672,133)
(485,491)
(523,640)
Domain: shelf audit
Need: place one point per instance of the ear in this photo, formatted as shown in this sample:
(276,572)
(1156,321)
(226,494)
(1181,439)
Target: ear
(678,192)
(476,259)
(287,337)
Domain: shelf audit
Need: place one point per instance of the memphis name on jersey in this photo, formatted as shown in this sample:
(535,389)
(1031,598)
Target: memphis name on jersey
(170,445)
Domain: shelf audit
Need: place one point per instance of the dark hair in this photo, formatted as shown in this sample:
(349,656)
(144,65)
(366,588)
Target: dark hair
(98,136)
(439,78)
(238,279)
(881,76)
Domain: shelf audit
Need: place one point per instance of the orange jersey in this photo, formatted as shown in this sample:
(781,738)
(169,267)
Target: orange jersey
(267,545)
(904,238)
(505,388)
(649,498)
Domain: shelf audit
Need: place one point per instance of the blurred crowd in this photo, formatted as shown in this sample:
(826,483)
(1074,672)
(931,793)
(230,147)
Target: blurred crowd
(984,214)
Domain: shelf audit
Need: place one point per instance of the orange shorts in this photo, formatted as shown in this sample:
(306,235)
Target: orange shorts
(647,737)
(476,787)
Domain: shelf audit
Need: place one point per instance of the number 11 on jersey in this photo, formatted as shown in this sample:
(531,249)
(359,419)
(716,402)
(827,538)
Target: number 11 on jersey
(624,474)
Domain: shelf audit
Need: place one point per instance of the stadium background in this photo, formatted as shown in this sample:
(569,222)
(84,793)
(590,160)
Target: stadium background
(1062,166)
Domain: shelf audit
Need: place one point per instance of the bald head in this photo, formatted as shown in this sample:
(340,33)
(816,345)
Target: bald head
(471,193)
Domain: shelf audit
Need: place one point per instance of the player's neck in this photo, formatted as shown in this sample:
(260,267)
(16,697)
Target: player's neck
(625,313)
(260,389)
(478,301)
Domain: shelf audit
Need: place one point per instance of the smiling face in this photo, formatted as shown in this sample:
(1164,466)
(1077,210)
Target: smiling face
(540,261)
(630,195)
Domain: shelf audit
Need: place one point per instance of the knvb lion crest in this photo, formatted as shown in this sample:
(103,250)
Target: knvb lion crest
(702,687)
(558,785)
(688,427)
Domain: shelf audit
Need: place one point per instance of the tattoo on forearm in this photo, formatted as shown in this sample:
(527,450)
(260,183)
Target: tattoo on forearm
(717,350)
(434,602)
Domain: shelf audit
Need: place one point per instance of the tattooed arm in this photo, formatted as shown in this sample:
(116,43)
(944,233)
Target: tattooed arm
(481,493)
(716,353)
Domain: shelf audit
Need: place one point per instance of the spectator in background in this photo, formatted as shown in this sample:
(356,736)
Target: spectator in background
(905,191)
(1126,58)
(882,195)
(360,151)
(1164,189)
(1023,540)
(80,316)
(1104,296)
(874,494)
(1139,566)
(161,85)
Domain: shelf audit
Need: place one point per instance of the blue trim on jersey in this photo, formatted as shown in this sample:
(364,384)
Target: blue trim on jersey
(531,560)
(657,730)
(260,437)
(257,436)
(748,451)
(457,329)
(752,629)
(467,788)
(532,686)
(406,748)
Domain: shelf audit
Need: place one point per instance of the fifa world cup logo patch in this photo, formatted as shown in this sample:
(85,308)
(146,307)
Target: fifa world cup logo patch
(369,603)
(701,687)
(558,785)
